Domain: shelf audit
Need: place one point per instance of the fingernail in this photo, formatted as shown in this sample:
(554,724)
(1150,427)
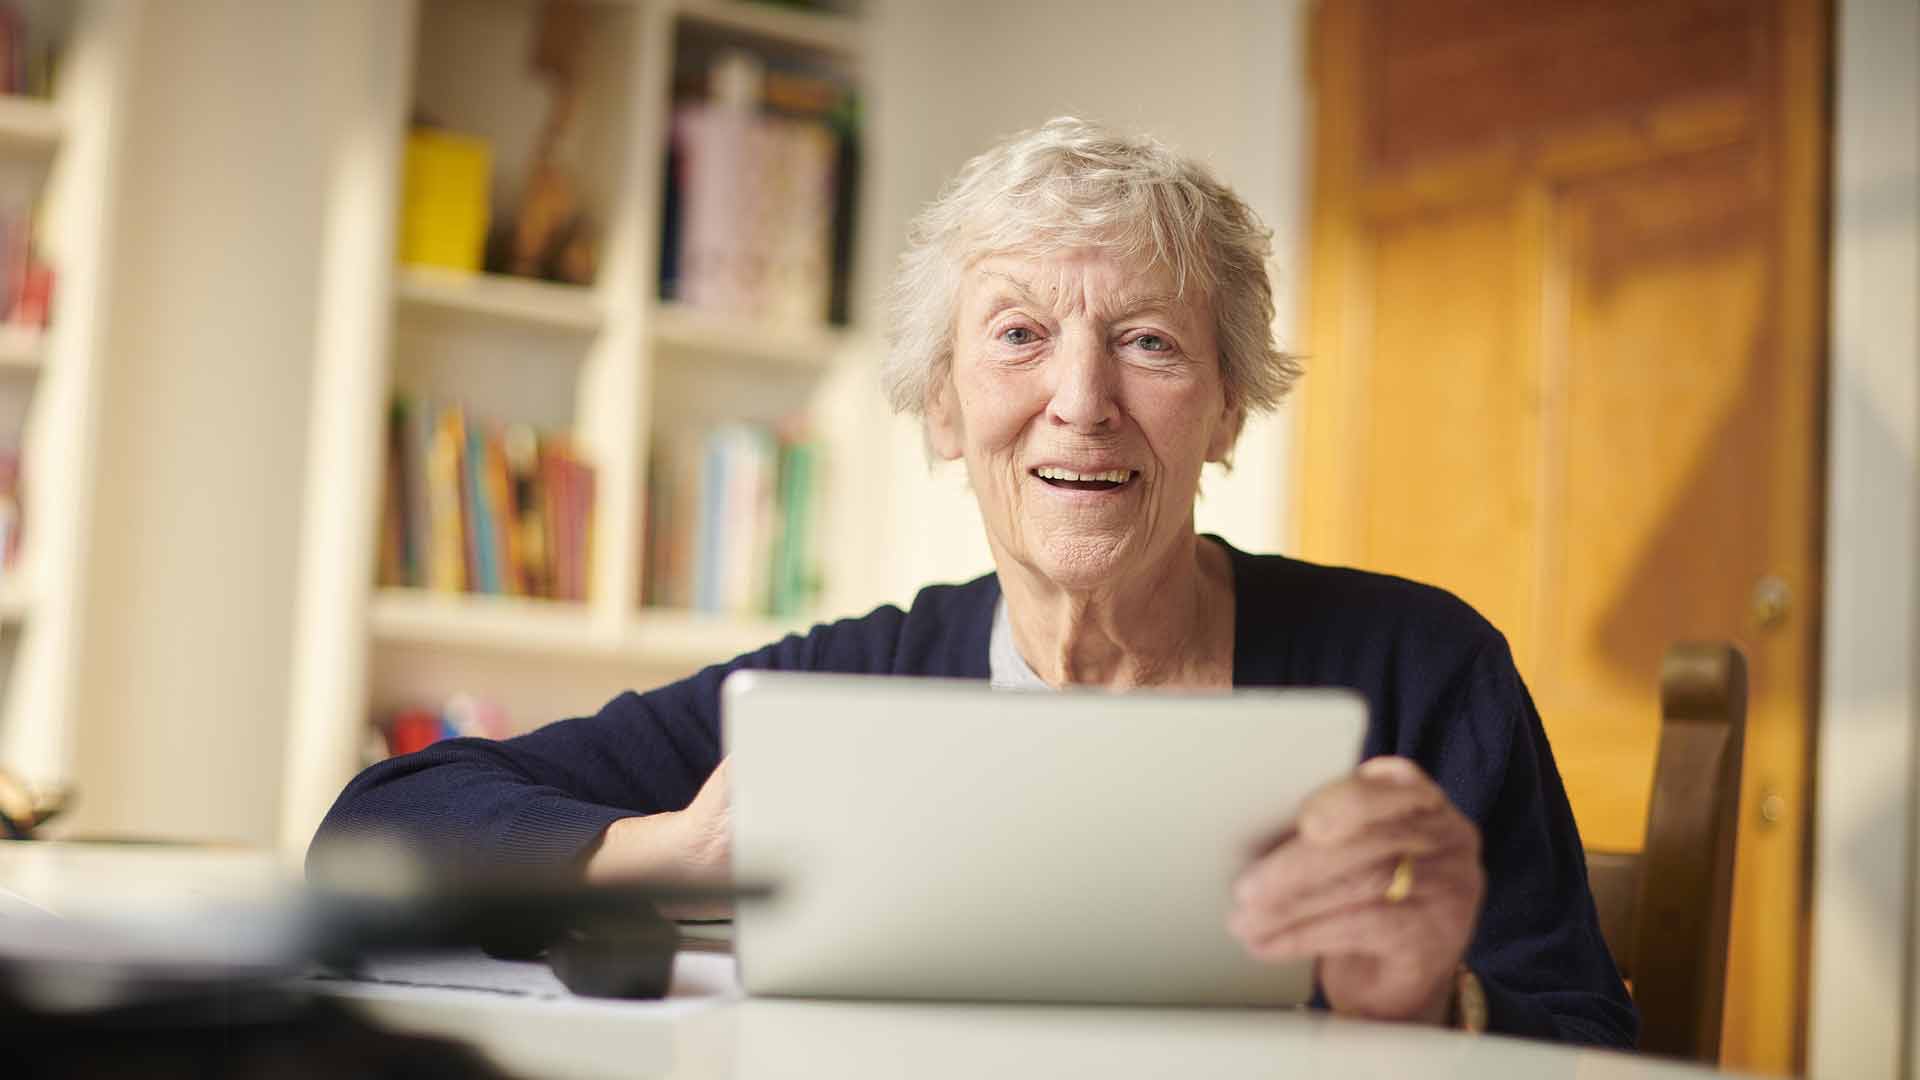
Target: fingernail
(1388,768)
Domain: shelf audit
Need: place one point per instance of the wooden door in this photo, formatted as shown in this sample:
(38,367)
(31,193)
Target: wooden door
(1563,358)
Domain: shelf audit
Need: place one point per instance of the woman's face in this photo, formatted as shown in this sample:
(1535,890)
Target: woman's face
(1084,397)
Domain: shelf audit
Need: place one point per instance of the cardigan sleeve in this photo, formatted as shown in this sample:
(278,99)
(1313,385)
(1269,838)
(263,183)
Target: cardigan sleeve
(545,797)
(1537,949)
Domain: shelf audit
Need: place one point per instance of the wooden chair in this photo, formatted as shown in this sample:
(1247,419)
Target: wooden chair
(1665,910)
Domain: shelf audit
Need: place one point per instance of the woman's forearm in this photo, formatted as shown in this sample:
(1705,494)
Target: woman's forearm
(640,848)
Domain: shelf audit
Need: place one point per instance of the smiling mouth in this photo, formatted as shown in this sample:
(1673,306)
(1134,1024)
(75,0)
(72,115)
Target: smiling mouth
(1068,480)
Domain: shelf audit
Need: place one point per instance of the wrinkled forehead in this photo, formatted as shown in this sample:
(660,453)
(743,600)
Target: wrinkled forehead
(1096,280)
(1132,227)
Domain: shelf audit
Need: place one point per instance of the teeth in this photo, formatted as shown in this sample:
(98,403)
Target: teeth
(1113,476)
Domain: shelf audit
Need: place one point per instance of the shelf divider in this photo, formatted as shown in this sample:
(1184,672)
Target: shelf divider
(526,301)
(22,346)
(801,29)
(30,124)
(651,638)
(685,331)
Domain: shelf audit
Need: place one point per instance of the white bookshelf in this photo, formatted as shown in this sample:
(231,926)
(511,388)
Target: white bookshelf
(72,147)
(608,363)
(21,347)
(497,298)
(663,639)
(30,126)
(819,31)
(16,603)
(510,624)
(700,335)
(653,639)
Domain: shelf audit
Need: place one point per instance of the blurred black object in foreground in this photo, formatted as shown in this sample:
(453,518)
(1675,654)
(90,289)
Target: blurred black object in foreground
(220,992)
(238,1031)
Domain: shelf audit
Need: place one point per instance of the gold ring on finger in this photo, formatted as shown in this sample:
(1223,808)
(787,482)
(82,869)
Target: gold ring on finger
(1401,886)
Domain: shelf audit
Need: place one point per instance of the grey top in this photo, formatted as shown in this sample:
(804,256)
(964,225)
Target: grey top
(1009,670)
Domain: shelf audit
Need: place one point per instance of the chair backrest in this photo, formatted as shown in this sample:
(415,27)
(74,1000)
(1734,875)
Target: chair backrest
(1666,909)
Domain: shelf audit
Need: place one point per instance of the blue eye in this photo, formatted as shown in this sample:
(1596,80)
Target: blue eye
(1153,343)
(1016,335)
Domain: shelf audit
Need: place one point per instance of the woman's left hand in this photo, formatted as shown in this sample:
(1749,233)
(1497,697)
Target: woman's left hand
(1328,891)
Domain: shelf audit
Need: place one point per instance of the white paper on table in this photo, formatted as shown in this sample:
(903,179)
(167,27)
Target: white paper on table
(696,975)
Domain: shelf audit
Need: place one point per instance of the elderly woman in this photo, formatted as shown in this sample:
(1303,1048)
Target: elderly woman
(1082,318)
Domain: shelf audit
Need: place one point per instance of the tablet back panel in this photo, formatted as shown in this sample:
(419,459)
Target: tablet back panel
(938,839)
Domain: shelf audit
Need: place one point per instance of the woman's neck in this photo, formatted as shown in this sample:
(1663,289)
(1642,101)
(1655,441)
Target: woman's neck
(1169,626)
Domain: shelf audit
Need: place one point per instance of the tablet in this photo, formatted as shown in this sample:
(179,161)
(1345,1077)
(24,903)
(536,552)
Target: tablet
(938,839)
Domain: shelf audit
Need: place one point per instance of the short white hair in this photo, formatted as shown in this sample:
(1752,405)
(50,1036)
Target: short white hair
(1072,184)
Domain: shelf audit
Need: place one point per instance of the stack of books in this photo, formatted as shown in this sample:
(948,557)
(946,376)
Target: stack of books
(484,508)
(732,522)
(26,281)
(417,727)
(28,54)
(759,202)
(10,516)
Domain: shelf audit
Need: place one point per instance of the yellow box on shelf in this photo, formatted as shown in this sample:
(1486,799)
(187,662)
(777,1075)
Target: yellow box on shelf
(445,204)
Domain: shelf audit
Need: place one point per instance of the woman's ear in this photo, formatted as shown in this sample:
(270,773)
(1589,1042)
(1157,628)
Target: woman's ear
(1220,447)
(944,427)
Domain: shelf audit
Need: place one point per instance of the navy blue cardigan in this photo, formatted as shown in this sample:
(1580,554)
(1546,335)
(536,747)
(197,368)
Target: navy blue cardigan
(1439,679)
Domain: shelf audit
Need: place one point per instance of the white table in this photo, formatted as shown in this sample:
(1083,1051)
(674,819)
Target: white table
(519,1015)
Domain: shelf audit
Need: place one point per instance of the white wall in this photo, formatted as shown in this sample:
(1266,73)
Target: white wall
(1220,79)
(184,646)
(1862,1004)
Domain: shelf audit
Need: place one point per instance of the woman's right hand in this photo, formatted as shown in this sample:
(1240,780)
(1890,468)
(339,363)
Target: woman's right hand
(691,846)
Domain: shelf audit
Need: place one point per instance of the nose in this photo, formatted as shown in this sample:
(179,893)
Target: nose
(1084,389)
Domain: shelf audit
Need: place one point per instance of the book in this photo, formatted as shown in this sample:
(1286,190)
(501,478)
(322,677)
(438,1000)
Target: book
(26,281)
(795,583)
(730,521)
(12,514)
(448,545)
(522,454)
(475,506)
(483,575)
(461,716)
(756,222)
(392,551)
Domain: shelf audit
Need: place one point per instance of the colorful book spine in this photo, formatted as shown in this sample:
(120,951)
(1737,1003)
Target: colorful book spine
(553,473)
(392,554)
(794,576)
(448,571)
(522,453)
(582,512)
(461,716)
(505,548)
(417,509)
(472,506)
(731,518)
(12,514)
(480,549)
(710,540)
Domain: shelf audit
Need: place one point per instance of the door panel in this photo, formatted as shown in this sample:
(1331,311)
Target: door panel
(1563,358)
(1663,409)
(1437,374)
(1470,73)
